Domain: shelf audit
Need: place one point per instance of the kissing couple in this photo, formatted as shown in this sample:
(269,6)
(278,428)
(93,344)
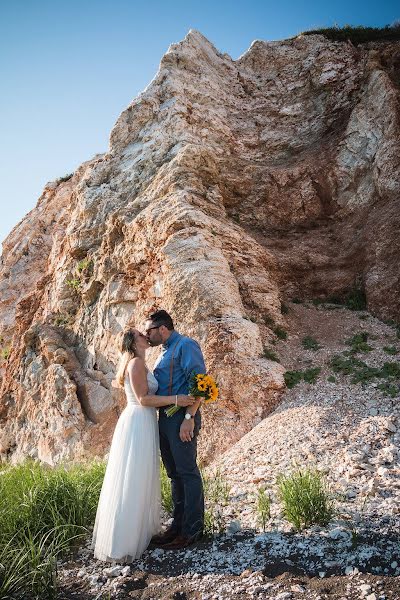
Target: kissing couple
(128,513)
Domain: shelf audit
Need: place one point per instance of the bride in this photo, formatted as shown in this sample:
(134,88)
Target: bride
(128,513)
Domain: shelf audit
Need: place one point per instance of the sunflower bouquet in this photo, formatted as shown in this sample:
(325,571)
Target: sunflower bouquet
(201,386)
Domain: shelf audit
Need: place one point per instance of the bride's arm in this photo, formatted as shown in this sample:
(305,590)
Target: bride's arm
(138,380)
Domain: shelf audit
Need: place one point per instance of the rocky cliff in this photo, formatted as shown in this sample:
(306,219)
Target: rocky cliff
(228,187)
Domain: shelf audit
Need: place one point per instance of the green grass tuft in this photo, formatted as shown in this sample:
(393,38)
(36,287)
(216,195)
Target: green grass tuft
(85,266)
(309,343)
(317,301)
(74,283)
(280,333)
(5,352)
(292,378)
(263,505)
(216,496)
(270,354)
(358,343)
(390,369)
(365,374)
(61,320)
(358,34)
(334,300)
(166,492)
(311,375)
(216,489)
(389,389)
(269,321)
(362,373)
(390,350)
(284,308)
(347,366)
(356,299)
(45,512)
(306,499)
(64,178)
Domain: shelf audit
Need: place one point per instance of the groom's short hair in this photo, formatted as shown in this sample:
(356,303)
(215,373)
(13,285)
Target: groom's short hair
(161,317)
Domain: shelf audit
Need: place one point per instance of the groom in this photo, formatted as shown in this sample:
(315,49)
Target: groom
(180,356)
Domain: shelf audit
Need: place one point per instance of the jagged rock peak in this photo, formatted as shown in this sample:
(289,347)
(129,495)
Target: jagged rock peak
(229,187)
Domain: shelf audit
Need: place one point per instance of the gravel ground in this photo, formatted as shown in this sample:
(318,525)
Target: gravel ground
(350,432)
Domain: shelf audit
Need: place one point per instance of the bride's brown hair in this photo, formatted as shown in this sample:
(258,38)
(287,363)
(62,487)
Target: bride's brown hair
(128,350)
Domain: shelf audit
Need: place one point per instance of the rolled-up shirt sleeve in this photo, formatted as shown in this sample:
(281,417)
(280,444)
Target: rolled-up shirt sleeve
(192,358)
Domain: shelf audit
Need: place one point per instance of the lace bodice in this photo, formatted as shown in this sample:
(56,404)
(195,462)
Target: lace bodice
(130,394)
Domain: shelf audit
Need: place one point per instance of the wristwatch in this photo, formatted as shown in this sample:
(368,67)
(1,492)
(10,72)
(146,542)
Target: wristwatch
(188,416)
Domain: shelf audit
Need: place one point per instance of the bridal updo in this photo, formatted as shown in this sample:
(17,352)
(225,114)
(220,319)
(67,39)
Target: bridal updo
(127,347)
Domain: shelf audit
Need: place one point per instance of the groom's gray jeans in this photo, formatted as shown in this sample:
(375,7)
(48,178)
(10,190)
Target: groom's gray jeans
(179,459)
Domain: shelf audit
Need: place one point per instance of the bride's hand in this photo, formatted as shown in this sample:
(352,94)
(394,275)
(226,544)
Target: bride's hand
(185,400)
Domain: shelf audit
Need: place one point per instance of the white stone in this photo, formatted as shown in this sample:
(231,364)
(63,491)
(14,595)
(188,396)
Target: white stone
(338,533)
(390,426)
(114,571)
(234,527)
(297,588)
(383,472)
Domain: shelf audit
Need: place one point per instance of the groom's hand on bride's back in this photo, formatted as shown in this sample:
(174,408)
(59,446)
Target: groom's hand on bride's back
(185,400)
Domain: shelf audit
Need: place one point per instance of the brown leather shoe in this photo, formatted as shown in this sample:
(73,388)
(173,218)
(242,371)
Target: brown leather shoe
(164,538)
(181,541)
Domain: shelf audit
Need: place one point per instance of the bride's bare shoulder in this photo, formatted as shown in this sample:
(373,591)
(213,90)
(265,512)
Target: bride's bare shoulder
(136,364)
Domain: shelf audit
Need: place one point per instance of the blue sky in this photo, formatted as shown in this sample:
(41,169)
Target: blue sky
(68,68)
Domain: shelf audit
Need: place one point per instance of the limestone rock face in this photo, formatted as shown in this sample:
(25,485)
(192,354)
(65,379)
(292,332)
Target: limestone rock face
(228,187)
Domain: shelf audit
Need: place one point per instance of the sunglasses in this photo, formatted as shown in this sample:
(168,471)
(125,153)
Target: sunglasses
(154,327)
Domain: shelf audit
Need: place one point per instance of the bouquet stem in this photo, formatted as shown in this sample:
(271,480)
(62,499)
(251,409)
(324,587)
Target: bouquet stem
(171,410)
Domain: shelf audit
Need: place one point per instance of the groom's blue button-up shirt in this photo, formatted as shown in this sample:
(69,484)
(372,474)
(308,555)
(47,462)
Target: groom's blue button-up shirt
(187,358)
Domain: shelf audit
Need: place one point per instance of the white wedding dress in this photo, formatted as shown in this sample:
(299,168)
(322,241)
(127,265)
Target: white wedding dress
(128,513)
